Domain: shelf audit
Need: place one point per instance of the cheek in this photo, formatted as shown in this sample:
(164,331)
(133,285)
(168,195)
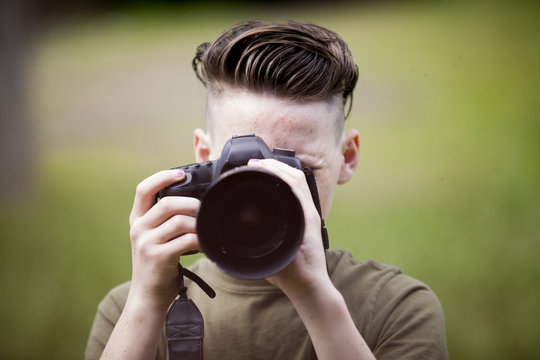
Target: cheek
(326,183)
(325,189)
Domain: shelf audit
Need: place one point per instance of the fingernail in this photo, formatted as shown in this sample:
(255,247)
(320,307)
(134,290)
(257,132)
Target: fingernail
(254,160)
(180,173)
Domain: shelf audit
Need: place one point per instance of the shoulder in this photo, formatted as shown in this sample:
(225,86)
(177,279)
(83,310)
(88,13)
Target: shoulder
(108,313)
(407,311)
(378,281)
(390,308)
(113,303)
(349,273)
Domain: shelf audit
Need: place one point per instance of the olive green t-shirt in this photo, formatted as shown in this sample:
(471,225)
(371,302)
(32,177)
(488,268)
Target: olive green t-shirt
(398,316)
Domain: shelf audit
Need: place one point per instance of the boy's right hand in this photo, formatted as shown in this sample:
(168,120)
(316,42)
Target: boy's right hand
(159,234)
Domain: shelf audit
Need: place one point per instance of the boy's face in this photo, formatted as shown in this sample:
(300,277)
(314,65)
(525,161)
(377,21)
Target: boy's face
(308,128)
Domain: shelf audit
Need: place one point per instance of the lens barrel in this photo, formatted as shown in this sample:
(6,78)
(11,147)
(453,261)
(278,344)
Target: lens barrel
(250,223)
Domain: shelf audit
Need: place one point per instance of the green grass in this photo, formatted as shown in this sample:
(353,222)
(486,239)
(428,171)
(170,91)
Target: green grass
(447,186)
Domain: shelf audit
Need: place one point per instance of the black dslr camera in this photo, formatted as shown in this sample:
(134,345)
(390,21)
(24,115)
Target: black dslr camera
(250,222)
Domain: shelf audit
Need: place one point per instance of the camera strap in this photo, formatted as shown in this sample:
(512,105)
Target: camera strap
(310,179)
(184,326)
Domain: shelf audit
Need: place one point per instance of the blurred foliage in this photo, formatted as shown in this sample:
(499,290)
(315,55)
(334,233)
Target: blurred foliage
(447,187)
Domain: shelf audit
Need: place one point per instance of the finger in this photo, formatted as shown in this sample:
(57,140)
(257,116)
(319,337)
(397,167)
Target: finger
(148,188)
(181,244)
(172,228)
(166,208)
(295,178)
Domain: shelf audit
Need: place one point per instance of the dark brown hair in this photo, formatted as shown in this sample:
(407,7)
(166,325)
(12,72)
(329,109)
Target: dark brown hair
(298,61)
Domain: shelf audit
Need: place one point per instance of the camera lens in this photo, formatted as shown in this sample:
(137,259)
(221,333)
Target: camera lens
(250,223)
(253,221)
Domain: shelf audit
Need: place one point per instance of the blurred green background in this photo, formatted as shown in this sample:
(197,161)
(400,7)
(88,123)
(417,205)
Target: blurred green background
(447,188)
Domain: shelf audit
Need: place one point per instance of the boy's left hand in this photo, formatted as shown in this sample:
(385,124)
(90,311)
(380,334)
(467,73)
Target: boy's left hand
(307,272)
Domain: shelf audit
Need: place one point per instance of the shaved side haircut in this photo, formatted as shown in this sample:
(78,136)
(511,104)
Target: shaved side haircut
(296,61)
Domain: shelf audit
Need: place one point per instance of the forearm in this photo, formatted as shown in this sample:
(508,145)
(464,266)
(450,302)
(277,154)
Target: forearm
(160,233)
(330,326)
(137,332)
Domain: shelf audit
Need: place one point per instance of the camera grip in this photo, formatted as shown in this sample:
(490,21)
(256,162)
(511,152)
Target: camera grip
(195,183)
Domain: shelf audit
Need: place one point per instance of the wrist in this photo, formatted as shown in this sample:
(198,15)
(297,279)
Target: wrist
(144,305)
(317,292)
(137,332)
(330,326)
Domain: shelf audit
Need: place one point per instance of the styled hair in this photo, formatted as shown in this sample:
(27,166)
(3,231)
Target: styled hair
(297,61)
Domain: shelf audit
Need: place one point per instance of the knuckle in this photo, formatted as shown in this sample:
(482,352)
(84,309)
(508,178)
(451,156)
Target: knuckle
(134,232)
(142,188)
(298,174)
(177,221)
(166,204)
(174,204)
(192,240)
(144,250)
(194,202)
(193,205)
(133,218)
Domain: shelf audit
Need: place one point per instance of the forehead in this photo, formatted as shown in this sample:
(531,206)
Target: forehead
(280,122)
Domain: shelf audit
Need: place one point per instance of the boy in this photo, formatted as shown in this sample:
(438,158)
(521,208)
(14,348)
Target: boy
(289,84)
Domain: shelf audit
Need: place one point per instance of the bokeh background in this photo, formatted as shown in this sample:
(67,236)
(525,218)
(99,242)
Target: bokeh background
(447,188)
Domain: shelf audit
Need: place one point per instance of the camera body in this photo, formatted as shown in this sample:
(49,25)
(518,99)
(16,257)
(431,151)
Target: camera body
(236,152)
(250,222)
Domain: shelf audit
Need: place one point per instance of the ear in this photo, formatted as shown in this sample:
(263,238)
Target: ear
(351,154)
(201,145)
